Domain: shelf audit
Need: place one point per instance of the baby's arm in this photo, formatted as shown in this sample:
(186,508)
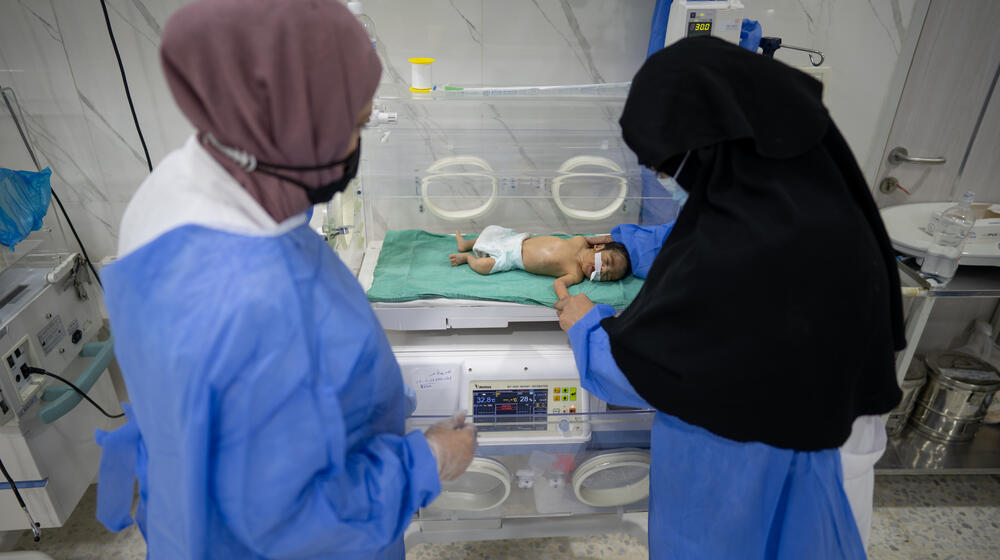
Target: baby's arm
(562,283)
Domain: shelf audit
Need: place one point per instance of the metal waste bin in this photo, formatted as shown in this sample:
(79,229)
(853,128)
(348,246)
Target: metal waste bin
(953,403)
(916,377)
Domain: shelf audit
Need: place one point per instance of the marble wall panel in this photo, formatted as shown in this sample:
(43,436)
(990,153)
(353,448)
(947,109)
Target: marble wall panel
(449,31)
(548,42)
(58,58)
(57,55)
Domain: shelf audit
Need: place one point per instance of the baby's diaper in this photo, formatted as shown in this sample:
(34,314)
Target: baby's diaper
(504,245)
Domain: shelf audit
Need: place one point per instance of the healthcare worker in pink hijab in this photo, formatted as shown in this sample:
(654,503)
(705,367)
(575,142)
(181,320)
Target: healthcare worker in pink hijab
(267,410)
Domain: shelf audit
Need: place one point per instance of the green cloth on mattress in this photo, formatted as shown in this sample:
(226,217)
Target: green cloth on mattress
(414,265)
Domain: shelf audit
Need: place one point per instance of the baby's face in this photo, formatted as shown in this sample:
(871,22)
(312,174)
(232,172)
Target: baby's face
(612,266)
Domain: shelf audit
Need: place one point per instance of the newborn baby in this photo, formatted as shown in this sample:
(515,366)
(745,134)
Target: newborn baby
(499,249)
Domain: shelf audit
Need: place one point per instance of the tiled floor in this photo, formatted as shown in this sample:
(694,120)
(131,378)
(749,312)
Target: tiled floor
(594,547)
(916,518)
(84,538)
(936,517)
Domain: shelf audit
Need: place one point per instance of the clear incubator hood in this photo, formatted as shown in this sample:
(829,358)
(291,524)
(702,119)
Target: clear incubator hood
(542,162)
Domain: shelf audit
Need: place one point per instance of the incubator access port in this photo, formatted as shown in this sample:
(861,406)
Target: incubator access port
(10,361)
(17,352)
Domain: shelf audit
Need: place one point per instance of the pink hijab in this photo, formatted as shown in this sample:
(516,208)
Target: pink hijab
(284,81)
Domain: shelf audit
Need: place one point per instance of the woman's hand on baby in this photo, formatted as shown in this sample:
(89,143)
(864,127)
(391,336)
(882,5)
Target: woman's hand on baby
(601,240)
(571,309)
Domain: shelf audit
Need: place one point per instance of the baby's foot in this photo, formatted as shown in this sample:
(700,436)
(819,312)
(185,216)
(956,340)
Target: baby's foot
(463,243)
(458,259)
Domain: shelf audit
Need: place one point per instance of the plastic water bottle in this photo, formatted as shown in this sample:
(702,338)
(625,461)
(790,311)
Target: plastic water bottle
(950,233)
(357,8)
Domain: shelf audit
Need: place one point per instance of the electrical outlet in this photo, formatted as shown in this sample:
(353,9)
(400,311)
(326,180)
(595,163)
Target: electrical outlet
(14,362)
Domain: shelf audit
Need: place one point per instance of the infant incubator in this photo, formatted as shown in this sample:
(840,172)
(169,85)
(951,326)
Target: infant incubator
(552,459)
(434,164)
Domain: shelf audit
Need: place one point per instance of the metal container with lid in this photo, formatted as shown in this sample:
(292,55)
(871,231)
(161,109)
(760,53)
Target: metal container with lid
(916,376)
(953,403)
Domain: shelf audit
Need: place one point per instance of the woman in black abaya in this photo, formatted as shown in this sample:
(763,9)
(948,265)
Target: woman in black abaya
(768,321)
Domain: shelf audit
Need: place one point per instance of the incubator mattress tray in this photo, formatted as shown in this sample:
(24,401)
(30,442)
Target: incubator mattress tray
(446,313)
(405,288)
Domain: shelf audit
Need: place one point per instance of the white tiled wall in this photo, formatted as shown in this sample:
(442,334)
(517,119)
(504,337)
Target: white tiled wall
(57,56)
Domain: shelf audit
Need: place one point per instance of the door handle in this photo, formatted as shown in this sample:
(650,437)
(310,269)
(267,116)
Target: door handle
(899,155)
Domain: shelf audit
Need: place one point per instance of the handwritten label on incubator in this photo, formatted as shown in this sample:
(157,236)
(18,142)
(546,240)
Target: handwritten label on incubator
(429,380)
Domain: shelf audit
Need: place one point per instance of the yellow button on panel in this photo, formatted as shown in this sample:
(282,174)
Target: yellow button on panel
(556,390)
(565,389)
(572,397)
(572,390)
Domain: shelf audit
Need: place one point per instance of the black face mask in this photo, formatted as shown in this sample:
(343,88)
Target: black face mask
(322,193)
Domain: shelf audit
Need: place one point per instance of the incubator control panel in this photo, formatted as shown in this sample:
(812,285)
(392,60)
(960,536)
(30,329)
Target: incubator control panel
(526,408)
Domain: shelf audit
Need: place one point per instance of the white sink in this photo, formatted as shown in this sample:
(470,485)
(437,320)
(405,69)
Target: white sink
(907,228)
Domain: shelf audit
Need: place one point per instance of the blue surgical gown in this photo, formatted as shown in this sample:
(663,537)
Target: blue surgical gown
(267,409)
(714,498)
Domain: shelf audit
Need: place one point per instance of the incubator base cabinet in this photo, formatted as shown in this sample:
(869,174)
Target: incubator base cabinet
(49,319)
(553,460)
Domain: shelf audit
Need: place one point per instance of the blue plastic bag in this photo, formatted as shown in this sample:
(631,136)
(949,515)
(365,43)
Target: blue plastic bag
(24,201)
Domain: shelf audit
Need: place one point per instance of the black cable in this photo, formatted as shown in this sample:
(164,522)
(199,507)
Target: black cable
(20,501)
(41,371)
(128,93)
(79,242)
(135,119)
(10,480)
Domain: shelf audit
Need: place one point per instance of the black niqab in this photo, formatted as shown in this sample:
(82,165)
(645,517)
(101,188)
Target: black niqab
(773,310)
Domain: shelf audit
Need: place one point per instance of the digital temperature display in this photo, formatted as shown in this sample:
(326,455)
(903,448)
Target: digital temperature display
(526,408)
(697,28)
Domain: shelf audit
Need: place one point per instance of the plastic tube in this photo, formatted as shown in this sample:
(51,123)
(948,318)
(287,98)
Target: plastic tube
(528,90)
